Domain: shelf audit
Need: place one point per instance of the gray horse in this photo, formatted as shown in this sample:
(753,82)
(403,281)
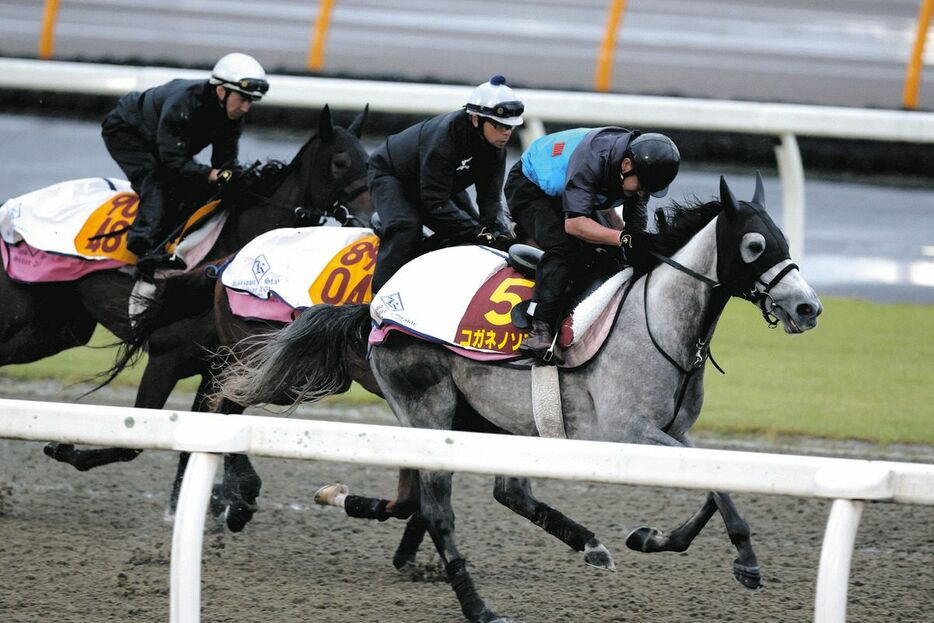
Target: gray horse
(644,386)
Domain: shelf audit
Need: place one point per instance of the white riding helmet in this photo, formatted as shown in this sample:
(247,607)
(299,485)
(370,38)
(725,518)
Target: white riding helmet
(496,101)
(241,73)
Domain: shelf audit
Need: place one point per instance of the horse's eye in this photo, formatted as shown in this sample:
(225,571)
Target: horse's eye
(752,246)
(339,164)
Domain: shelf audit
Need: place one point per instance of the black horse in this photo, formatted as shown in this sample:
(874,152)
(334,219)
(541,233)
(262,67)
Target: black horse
(326,178)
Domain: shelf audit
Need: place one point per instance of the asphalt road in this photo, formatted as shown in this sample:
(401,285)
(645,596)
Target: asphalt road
(838,52)
(863,237)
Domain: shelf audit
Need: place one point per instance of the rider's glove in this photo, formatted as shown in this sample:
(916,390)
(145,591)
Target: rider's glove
(625,240)
(224,177)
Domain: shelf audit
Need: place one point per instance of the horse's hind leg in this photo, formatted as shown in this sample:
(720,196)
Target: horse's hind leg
(241,484)
(745,567)
(438,515)
(516,495)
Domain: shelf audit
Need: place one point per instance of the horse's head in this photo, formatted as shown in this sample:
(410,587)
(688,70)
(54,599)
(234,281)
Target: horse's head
(753,262)
(330,173)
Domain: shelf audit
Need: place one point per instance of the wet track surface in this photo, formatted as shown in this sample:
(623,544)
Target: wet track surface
(95,546)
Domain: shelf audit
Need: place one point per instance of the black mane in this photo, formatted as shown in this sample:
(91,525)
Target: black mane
(678,222)
(257,179)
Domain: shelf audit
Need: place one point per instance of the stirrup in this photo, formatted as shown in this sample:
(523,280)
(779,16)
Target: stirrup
(550,353)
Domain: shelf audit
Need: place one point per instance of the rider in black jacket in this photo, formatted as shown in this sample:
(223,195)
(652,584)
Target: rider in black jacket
(420,175)
(154,136)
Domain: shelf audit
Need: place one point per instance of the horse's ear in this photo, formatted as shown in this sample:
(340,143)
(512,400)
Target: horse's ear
(357,126)
(325,125)
(727,200)
(758,197)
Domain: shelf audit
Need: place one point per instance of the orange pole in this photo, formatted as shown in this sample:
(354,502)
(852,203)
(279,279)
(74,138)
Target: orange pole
(602,75)
(915,63)
(47,33)
(320,35)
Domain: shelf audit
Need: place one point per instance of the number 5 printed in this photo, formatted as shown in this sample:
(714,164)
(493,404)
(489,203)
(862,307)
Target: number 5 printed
(503,294)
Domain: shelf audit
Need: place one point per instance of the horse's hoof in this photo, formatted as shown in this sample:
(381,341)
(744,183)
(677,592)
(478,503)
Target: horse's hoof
(59,451)
(237,516)
(403,562)
(599,556)
(748,576)
(488,616)
(332,495)
(644,539)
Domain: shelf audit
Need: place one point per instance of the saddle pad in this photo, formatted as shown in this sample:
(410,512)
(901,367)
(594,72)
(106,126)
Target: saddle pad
(68,217)
(301,267)
(459,296)
(462,298)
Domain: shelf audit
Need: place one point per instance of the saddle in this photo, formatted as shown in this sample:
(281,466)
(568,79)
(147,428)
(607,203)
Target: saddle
(471,299)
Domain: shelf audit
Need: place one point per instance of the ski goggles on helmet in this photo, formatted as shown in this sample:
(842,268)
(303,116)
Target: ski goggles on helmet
(503,109)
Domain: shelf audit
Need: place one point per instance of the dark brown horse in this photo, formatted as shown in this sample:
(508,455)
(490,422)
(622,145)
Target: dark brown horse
(327,178)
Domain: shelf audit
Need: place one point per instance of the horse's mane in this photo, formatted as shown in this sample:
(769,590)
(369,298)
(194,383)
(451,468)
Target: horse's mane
(257,179)
(678,222)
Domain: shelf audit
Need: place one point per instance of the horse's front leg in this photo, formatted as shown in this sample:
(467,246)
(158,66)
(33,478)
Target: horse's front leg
(745,567)
(404,506)
(516,495)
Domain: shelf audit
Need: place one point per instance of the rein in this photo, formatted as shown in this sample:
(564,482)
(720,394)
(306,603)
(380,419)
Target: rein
(702,346)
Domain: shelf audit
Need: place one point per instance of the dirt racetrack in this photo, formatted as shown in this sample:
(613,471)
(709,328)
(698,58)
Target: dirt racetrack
(94,548)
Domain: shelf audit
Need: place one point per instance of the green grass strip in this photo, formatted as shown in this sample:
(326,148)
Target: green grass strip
(866,372)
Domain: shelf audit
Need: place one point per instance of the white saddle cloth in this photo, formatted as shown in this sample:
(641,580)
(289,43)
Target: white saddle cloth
(50,218)
(430,295)
(306,266)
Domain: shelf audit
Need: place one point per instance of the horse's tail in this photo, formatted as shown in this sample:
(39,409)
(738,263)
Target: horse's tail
(180,297)
(304,361)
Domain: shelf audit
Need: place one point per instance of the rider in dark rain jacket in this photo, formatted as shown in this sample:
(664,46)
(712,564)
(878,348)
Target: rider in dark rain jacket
(420,176)
(154,136)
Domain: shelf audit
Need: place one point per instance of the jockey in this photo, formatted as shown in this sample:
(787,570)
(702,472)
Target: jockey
(556,192)
(154,136)
(420,175)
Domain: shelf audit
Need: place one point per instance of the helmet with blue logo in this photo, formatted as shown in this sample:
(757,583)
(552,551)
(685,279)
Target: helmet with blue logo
(494,100)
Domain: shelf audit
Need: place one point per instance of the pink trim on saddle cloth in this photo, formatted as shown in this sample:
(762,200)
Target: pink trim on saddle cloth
(252,307)
(27,264)
(379,334)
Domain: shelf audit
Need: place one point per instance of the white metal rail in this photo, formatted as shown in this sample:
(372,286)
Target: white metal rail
(847,482)
(783,121)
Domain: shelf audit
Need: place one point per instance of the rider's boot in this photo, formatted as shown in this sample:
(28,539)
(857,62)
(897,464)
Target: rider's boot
(540,339)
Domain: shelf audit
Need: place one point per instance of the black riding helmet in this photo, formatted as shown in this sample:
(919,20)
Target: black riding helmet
(655,160)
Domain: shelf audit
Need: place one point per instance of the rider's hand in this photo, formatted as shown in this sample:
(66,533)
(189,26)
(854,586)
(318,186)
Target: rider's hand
(625,240)
(224,176)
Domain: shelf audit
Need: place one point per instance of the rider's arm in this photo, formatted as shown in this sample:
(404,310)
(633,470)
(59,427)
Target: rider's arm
(613,218)
(172,138)
(591,231)
(490,201)
(436,165)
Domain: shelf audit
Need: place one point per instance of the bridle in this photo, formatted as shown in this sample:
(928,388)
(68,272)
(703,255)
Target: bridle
(761,298)
(338,209)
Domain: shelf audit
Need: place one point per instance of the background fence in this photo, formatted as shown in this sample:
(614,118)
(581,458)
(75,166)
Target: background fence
(785,122)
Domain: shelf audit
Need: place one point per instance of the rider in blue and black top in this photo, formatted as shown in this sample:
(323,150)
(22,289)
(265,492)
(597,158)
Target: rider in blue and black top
(420,175)
(556,192)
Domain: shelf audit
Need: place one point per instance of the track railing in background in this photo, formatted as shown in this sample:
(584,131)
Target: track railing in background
(848,482)
(785,122)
